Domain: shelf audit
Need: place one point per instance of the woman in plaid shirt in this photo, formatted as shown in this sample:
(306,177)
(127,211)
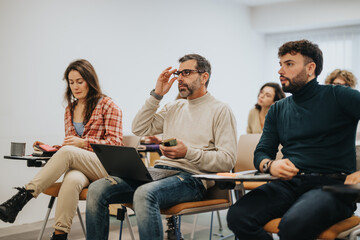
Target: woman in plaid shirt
(90,117)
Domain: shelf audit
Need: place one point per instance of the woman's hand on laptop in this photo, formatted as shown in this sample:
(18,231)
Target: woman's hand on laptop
(178,151)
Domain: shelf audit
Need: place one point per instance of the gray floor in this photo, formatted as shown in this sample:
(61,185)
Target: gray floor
(31,231)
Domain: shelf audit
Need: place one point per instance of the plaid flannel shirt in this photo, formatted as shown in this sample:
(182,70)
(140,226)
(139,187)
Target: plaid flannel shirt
(104,126)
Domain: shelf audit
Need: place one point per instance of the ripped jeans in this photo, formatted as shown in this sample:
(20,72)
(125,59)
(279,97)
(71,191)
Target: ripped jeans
(147,199)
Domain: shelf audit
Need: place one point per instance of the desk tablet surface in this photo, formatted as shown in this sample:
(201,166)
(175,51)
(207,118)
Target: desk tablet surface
(343,188)
(28,157)
(237,177)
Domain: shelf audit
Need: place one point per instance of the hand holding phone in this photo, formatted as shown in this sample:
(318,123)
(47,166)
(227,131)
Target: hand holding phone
(169,142)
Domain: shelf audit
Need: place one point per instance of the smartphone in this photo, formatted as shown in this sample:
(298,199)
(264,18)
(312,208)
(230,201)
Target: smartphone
(169,142)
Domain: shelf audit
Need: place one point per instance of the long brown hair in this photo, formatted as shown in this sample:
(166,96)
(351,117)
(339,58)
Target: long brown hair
(88,73)
(279,94)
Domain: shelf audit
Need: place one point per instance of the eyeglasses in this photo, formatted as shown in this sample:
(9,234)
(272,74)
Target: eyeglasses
(186,72)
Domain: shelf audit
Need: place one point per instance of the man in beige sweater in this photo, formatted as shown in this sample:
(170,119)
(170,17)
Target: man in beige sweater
(205,130)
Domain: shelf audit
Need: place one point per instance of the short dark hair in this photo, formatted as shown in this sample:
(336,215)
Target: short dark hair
(202,64)
(279,93)
(306,48)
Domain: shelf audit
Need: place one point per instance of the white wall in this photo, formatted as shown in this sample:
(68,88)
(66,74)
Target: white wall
(129,43)
(301,19)
(305,15)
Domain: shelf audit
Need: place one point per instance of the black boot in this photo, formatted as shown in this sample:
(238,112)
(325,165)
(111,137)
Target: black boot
(171,232)
(10,209)
(59,236)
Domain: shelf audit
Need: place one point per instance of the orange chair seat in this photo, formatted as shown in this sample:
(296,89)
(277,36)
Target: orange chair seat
(174,210)
(330,233)
(54,189)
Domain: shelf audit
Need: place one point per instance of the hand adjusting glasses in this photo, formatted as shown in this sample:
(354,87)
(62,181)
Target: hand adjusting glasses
(186,72)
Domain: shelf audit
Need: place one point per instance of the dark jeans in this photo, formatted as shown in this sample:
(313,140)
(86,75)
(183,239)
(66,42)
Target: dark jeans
(147,199)
(305,209)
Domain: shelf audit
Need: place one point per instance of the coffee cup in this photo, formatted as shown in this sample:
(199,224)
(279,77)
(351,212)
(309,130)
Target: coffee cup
(17,149)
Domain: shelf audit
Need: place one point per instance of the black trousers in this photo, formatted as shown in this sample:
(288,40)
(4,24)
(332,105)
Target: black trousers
(306,210)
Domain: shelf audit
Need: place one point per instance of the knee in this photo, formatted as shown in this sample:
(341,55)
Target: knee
(144,196)
(75,180)
(65,150)
(237,217)
(289,228)
(96,194)
(65,153)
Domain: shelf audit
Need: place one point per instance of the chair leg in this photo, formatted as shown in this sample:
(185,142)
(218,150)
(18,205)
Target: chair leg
(177,225)
(121,215)
(354,234)
(194,226)
(81,221)
(219,219)
(129,226)
(211,224)
(50,205)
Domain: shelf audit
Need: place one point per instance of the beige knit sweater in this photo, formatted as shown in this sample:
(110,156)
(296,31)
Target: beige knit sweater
(205,125)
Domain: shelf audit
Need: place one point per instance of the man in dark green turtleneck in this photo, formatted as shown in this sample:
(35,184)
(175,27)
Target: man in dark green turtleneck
(316,127)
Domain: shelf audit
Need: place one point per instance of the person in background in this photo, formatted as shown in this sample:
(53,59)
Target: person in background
(268,95)
(90,117)
(341,77)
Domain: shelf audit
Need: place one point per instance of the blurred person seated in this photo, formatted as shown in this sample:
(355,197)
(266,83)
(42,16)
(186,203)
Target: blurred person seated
(269,93)
(341,77)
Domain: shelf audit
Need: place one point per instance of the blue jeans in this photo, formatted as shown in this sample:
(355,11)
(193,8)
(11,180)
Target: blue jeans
(305,209)
(147,199)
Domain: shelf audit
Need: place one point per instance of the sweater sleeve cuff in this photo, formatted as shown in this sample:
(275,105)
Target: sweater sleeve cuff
(153,101)
(191,154)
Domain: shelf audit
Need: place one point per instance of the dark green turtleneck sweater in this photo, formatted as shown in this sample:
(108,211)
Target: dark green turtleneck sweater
(316,127)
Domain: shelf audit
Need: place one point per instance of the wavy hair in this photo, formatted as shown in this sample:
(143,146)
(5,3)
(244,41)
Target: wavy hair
(279,93)
(345,75)
(87,72)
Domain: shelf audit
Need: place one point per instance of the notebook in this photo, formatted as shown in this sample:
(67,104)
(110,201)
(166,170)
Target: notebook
(125,162)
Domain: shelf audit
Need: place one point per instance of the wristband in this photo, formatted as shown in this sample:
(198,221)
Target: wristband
(155,95)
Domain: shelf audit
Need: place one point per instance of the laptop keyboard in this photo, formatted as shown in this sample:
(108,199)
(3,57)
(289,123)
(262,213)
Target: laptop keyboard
(157,173)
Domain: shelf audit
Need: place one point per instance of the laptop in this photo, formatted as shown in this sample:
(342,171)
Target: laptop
(126,163)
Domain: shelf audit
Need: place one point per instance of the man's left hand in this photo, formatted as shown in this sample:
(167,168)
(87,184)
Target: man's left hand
(178,151)
(353,178)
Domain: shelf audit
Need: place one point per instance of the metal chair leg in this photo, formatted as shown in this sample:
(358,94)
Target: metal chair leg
(194,226)
(211,224)
(121,215)
(177,221)
(81,221)
(50,205)
(129,226)
(219,219)
(354,234)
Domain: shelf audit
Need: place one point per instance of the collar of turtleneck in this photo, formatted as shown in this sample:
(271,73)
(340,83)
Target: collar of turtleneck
(199,100)
(306,92)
